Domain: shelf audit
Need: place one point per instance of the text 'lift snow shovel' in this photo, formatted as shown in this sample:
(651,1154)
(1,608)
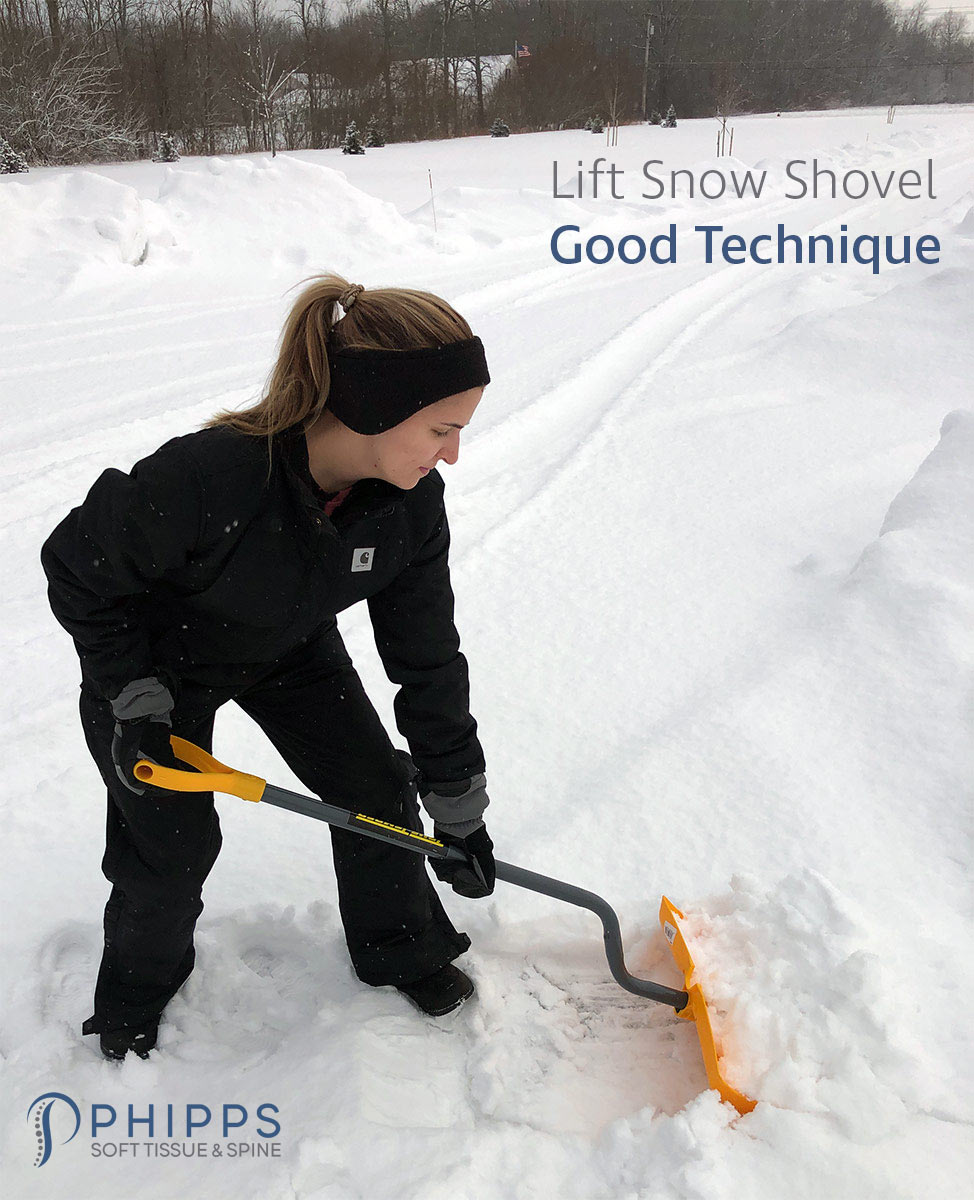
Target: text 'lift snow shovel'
(213,776)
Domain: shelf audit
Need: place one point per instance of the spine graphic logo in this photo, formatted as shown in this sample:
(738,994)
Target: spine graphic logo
(39,1113)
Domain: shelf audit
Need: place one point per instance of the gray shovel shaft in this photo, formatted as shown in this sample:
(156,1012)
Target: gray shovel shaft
(506,872)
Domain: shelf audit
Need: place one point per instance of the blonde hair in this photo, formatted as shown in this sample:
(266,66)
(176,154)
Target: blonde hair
(374,319)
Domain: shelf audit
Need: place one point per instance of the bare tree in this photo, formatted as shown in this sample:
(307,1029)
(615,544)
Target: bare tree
(448,11)
(263,83)
(62,109)
(54,21)
(386,13)
(311,19)
(476,11)
(947,33)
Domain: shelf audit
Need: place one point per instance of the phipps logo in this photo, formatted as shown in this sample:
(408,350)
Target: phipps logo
(40,1113)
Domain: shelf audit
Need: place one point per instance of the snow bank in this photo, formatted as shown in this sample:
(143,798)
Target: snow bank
(82,229)
(920,571)
(808,1016)
(66,222)
(281,212)
(964,222)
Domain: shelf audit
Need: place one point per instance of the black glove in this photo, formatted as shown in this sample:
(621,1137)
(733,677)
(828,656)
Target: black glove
(457,811)
(142,727)
(474,878)
(146,738)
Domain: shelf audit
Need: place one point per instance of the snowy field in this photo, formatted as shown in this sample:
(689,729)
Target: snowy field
(713,549)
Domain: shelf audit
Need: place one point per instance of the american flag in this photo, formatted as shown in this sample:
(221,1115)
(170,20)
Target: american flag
(521,51)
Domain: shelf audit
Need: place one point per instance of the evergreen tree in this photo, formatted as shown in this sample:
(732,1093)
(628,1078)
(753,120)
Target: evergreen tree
(374,134)
(167,150)
(656,117)
(11,162)
(669,121)
(352,143)
(499,129)
(596,125)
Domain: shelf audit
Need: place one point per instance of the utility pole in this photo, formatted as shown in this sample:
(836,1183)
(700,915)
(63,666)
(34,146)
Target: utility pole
(650,30)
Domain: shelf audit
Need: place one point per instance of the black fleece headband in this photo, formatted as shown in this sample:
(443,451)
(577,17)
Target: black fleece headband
(373,390)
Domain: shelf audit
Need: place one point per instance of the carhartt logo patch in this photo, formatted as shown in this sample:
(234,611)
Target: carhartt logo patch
(362,558)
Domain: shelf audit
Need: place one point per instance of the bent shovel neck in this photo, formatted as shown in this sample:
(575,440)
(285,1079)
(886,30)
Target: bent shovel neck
(611,932)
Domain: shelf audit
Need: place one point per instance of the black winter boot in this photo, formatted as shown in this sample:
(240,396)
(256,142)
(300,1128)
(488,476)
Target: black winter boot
(115,1045)
(441,992)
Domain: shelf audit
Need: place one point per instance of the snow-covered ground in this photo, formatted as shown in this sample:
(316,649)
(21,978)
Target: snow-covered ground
(714,557)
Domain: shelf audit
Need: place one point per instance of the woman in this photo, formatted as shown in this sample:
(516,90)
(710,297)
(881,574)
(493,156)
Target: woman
(213,572)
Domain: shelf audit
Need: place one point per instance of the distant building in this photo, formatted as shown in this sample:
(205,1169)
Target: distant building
(493,69)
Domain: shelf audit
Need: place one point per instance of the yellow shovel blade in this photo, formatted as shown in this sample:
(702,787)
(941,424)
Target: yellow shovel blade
(696,1010)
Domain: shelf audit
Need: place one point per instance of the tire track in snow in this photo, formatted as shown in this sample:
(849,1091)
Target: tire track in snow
(258,300)
(115,357)
(561,424)
(115,411)
(663,332)
(200,317)
(580,280)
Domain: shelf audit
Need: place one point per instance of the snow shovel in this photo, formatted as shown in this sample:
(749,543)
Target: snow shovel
(213,776)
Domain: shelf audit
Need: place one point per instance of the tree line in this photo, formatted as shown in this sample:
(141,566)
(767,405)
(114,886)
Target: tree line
(88,80)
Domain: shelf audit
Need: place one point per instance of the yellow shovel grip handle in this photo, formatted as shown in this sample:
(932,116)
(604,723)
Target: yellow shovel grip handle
(210,774)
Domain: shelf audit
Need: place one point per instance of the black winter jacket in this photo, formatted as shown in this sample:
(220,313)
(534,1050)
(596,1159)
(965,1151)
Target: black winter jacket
(201,565)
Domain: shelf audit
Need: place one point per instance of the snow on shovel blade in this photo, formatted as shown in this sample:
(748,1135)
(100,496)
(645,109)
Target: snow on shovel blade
(696,1010)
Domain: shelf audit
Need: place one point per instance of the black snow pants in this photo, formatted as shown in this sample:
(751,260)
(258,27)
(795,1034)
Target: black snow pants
(160,848)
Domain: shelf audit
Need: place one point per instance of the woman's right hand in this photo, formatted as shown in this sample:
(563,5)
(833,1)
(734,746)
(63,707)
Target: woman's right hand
(143,722)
